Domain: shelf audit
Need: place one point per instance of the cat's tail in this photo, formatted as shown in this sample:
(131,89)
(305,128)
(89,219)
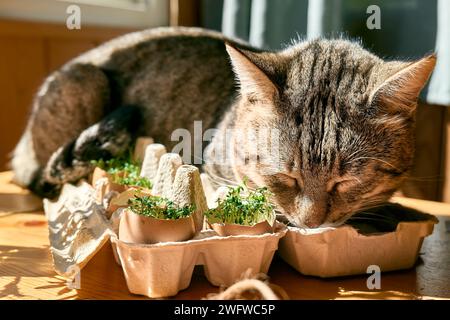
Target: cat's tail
(110,137)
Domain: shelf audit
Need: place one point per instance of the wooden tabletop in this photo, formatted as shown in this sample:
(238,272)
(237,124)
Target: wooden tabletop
(26,270)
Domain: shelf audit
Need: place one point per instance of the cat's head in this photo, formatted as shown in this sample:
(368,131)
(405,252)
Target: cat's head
(343,119)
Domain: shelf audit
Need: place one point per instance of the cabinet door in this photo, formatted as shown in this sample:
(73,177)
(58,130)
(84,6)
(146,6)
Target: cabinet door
(29,52)
(22,68)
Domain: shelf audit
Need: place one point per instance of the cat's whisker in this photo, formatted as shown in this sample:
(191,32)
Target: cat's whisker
(363,218)
(372,214)
(354,153)
(380,219)
(358,181)
(425,179)
(376,159)
(222,183)
(218,179)
(375,202)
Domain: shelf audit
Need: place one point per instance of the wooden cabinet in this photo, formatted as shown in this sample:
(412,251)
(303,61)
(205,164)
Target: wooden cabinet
(429,174)
(445,165)
(28,52)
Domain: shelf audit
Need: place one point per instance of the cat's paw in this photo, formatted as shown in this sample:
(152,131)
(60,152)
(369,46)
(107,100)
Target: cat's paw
(63,167)
(108,138)
(42,188)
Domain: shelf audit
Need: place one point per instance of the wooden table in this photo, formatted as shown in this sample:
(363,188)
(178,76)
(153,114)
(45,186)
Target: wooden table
(26,270)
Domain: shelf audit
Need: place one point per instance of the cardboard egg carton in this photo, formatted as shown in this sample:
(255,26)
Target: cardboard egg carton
(350,250)
(163,269)
(79,226)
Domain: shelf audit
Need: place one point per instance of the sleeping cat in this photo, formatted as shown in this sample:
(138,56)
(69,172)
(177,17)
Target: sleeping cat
(344,118)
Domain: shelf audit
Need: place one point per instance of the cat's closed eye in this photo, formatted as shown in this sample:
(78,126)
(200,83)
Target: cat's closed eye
(288,180)
(341,185)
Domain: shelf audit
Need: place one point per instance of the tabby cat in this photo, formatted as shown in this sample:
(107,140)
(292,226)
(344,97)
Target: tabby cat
(344,118)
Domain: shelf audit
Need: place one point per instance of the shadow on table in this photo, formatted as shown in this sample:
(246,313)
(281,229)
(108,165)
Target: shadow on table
(18,262)
(11,289)
(394,285)
(60,283)
(10,202)
(24,262)
(102,278)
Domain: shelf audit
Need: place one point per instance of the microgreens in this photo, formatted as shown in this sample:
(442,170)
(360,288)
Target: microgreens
(158,207)
(123,170)
(244,207)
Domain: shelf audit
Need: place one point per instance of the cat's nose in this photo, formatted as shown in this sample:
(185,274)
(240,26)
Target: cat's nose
(315,216)
(313,212)
(315,221)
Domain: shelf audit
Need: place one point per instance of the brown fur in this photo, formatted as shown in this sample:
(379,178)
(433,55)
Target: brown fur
(346,121)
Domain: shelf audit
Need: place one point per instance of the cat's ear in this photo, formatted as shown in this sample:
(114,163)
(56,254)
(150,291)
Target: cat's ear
(254,83)
(398,93)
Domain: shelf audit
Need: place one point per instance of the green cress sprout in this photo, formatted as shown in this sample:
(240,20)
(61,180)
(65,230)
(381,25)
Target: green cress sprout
(249,209)
(124,171)
(159,208)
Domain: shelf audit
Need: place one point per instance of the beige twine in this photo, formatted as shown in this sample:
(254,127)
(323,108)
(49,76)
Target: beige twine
(251,289)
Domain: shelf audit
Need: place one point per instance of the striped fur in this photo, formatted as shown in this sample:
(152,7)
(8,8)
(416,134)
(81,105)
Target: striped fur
(341,150)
